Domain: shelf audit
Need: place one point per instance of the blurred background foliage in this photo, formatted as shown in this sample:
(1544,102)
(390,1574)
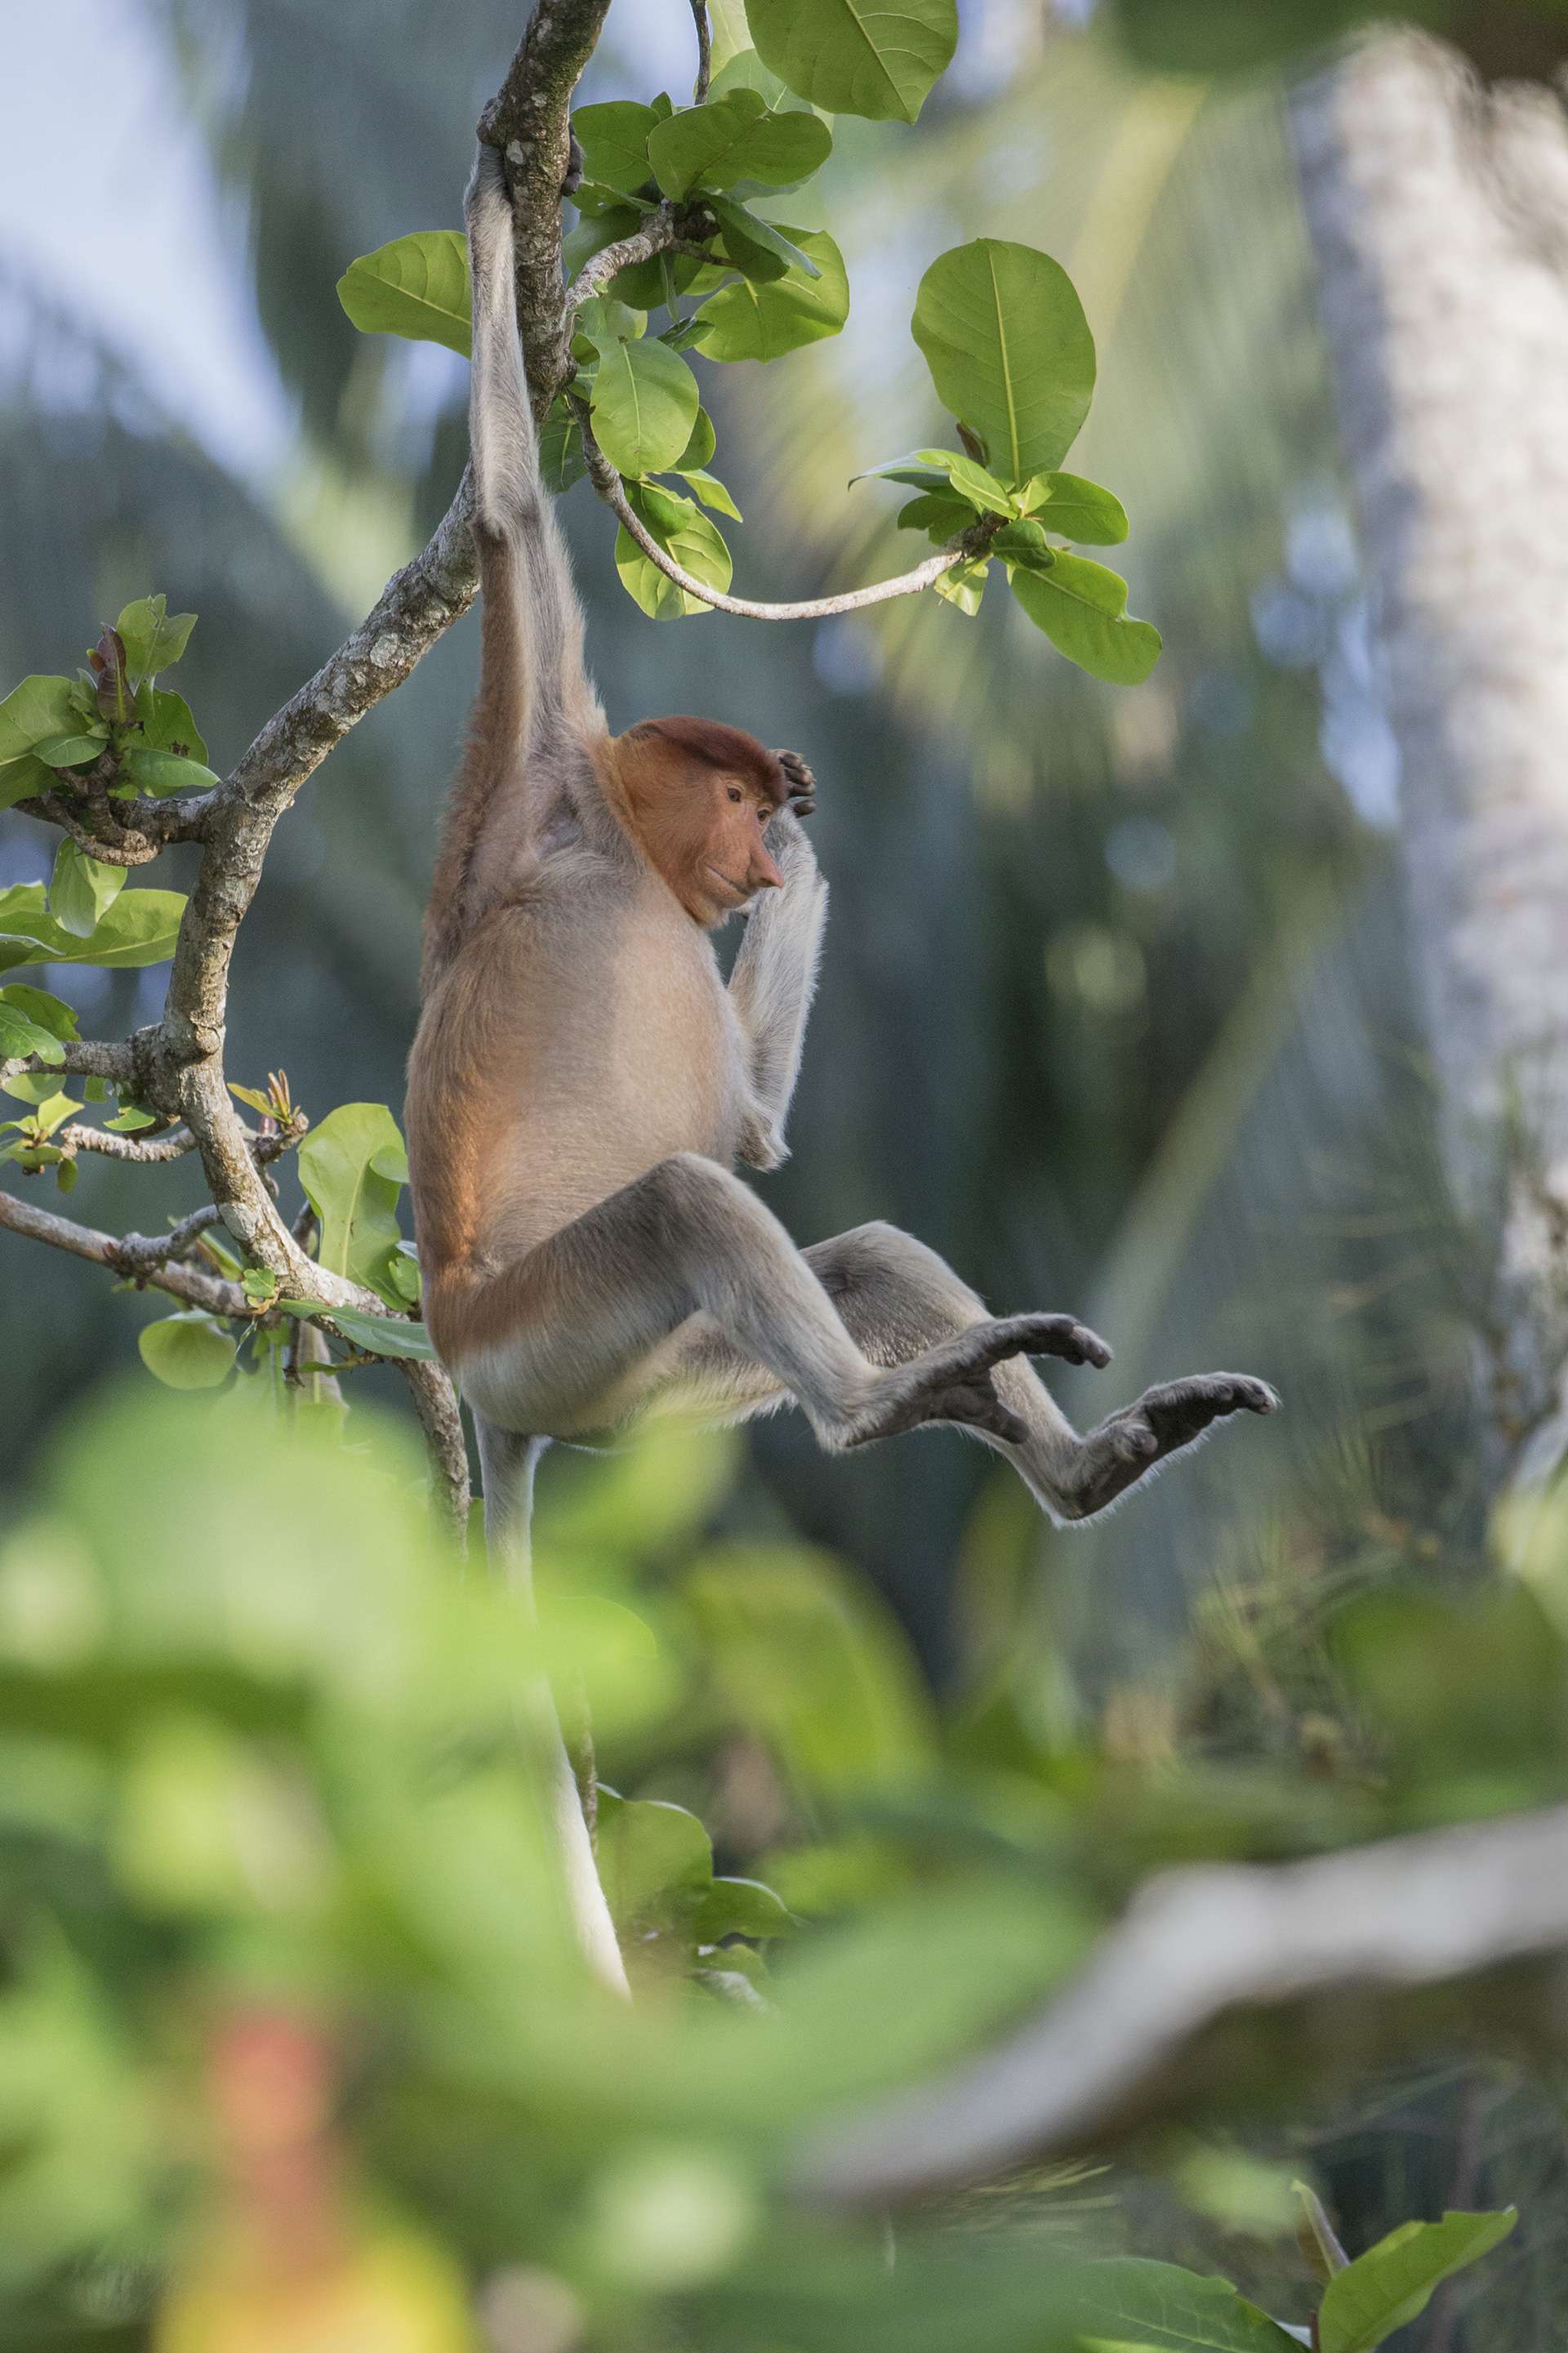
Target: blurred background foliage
(1115,1009)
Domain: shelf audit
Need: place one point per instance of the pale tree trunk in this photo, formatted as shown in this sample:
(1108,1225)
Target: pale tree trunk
(1439,214)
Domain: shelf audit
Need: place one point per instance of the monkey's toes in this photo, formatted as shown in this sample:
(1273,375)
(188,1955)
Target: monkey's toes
(1178,1411)
(1036,1335)
(802,783)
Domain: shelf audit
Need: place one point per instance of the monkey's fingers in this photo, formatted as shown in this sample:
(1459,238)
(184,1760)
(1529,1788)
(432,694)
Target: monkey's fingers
(802,783)
(1036,1335)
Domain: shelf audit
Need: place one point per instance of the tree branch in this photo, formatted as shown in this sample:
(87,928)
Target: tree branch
(704,51)
(607,483)
(143,1257)
(1232,1979)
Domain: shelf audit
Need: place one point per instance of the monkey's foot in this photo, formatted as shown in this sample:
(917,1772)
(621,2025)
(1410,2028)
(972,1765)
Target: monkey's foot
(953,1382)
(1164,1421)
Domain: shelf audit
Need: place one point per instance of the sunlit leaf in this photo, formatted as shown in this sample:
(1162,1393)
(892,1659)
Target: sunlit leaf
(643,402)
(1392,2283)
(352,1167)
(189,1351)
(82,890)
(1009,351)
(613,140)
(154,638)
(682,529)
(752,321)
(416,286)
(1083,608)
(380,1335)
(1075,509)
(1129,2305)
(140,928)
(736,138)
(855,59)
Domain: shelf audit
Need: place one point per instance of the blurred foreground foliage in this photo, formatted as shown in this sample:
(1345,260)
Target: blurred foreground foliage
(295,2047)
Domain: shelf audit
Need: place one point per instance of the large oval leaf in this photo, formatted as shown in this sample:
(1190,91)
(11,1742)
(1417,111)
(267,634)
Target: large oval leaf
(1392,2283)
(187,1352)
(752,321)
(683,530)
(82,890)
(858,56)
(352,1167)
(140,928)
(614,140)
(1009,351)
(733,139)
(418,287)
(1076,509)
(643,402)
(1083,608)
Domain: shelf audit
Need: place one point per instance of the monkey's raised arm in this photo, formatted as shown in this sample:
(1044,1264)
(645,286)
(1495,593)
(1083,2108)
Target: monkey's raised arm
(533,694)
(773,982)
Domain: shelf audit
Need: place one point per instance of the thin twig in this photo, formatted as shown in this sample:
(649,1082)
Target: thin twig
(124,1256)
(657,235)
(704,51)
(607,483)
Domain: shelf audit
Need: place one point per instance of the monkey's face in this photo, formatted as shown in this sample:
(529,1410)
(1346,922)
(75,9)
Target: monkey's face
(701,796)
(706,833)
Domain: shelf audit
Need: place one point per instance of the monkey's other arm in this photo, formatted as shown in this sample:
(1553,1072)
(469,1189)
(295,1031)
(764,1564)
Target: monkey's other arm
(774,978)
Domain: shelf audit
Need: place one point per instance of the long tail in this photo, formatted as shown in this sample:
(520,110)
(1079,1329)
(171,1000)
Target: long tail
(532,685)
(509,1465)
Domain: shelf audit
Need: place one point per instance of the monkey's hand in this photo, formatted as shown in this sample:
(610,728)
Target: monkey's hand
(802,783)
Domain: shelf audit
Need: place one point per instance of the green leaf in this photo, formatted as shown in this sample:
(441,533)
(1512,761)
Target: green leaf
(83,891)
(167,722)
(656,1863)
(1083,608)
(854,58)
(1127,2304)
(189,1351)
(940,514)
(352,1167)
(41,1089)
(614,142)
(644,403)
(21,779)
(736,138)
(1391,2283)
(698,450)
(749,238)
(1025,543)
(964,585)
(741,1908)
(253,1100)
(34,713)
(417,286)
(131,1120)
(748,322)
(18,1035)
(72,751)
(1009,351)
(378,1335)
(561,458)
(1076,509)
(154,638)
(912,471)
(37,1005)
(159,774)
(259,1286)
(685,533)
(711,490)
(140,928)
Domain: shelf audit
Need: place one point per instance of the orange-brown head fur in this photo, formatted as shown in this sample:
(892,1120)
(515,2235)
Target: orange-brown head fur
(699,796)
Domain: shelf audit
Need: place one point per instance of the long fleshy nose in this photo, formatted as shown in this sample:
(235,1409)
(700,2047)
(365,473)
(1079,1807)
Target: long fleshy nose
(763,875)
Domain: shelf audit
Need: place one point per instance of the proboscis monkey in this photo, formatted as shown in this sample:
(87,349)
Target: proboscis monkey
(582,1080)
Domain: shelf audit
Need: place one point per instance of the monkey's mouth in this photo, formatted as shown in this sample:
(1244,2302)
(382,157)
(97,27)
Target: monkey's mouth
(737,891)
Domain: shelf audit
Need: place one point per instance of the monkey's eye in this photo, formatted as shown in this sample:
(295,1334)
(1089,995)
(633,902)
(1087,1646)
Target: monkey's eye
(734,795)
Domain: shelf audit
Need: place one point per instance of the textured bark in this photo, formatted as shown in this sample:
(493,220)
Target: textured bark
(1439,214)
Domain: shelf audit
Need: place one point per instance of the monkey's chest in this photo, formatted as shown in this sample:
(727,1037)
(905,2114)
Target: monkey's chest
(673,1074)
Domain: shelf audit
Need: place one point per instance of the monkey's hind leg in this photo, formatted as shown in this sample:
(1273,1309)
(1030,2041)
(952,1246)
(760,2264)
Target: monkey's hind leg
(898,1298)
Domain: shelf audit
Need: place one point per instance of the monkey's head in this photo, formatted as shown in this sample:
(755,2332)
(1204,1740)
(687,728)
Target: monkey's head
(701,796)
